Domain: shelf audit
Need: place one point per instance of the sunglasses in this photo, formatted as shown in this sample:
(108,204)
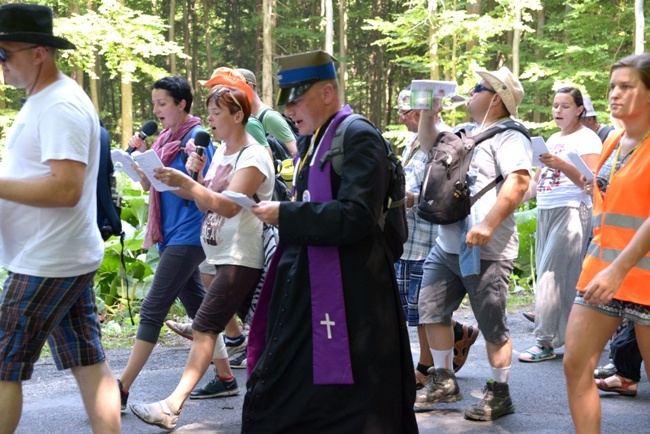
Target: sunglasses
(404,112)
(5,54)
(222,91)
(480,88)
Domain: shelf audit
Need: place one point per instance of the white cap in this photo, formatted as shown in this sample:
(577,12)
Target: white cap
(589,107)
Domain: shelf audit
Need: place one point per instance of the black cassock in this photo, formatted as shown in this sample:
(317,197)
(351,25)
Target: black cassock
(281,396)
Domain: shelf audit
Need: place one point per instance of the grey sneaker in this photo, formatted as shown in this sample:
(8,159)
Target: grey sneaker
(184,330)
(158,414)
(234,348)
(238,361)
(215,389)
(441,387)
(496,402)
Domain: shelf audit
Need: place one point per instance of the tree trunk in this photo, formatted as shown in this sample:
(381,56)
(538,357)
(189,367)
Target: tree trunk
(172,26)
(208,37)
(343,48)
(268,7)
(127,106)
(186,37)
(329,27)
(434,73)
(540,34)
(516,39)
(639,18)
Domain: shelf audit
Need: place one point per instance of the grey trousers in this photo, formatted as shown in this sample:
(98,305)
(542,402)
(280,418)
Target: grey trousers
(562,236)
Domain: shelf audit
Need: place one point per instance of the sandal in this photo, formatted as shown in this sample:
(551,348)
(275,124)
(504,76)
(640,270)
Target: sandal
(420,380)
(158,414)
(462,346)
(617,384)
(530,316)
(537,353)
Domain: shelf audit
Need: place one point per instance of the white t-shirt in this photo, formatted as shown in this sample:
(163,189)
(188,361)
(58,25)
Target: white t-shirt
(554,188)
(503,154)
(236,240)
(57,123)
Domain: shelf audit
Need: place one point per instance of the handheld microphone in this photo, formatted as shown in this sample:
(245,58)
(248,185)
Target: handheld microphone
(148,129)
(201,141)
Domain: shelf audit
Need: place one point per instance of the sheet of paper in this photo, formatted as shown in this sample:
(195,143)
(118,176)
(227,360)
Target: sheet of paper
(581,166)
(122,161)
(148,161)
(240,199)
(539,148)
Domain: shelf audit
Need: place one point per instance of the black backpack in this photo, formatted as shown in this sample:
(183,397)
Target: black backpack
(604,132)
(445,194)
(287,119)
(393,220)
(280,190)
(109,202)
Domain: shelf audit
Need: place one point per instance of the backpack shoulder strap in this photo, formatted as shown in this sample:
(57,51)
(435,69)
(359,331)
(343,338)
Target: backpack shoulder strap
(336,151)
(104,197)
(260,116)
(499,128)
(604,132)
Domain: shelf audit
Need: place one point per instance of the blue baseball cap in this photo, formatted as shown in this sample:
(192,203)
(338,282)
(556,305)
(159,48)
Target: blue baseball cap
(298,72)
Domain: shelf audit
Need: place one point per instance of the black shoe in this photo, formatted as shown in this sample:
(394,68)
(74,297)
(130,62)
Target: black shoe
(124,396)
(216,388)
(530,316)
(238,361)
(496,402)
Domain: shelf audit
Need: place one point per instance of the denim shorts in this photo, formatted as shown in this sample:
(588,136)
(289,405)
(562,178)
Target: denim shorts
(409,280)
(59,310)
(634,312)
(443,289)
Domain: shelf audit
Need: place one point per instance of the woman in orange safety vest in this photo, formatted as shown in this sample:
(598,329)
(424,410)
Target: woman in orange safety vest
(616,271)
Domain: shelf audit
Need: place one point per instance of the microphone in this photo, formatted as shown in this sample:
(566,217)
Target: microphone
(148,129)
(201,141)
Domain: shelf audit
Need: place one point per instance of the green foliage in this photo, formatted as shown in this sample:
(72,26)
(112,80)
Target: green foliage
(524,266)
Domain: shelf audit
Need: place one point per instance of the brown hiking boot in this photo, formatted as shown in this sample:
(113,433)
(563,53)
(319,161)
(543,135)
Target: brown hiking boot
(496,402)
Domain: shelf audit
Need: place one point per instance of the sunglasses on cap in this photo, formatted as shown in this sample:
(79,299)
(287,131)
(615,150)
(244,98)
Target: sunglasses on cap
(5,54)
(480,88)
(222,91)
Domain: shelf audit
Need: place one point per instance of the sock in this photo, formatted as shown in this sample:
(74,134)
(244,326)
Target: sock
(233,342)
(423,368)
(443,359)
(226,379)
(501,375)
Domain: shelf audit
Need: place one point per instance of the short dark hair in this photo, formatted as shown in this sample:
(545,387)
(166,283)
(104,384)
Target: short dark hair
(577,98)
(638,62)
(178,88)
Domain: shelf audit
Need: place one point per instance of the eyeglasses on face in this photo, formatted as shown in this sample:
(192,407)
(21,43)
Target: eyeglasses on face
(480,88)
(5,54)
(404,112)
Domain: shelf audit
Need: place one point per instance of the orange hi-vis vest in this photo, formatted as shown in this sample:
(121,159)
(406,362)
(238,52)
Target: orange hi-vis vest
(617,218)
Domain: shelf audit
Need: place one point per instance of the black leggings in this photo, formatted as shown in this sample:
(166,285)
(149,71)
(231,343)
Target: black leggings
(177,275)
(625,353)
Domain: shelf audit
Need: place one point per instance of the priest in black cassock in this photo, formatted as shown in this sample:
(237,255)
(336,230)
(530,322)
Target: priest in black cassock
(328,348)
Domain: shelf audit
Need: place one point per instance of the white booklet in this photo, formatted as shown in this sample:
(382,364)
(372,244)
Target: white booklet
(539,148)
(240,199)
(581,165)
(148,161)
(122,161)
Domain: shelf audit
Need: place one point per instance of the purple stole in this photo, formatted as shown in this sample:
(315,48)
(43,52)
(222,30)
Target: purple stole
(330,343)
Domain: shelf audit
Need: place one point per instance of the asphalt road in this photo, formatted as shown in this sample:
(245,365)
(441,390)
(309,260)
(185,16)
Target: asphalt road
(53,405)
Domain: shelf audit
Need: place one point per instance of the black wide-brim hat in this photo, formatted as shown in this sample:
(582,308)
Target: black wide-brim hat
(30,24)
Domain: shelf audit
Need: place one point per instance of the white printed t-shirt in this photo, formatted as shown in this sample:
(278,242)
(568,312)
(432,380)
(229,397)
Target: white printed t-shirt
(554,188)
(236,240)
(57,123)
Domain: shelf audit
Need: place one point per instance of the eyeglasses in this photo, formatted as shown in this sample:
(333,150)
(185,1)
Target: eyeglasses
(404,112)
(480,88)
(5,54)
(222,91)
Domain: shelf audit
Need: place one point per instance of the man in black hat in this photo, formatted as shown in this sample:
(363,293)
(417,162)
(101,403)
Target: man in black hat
(328,347)
(49,239)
